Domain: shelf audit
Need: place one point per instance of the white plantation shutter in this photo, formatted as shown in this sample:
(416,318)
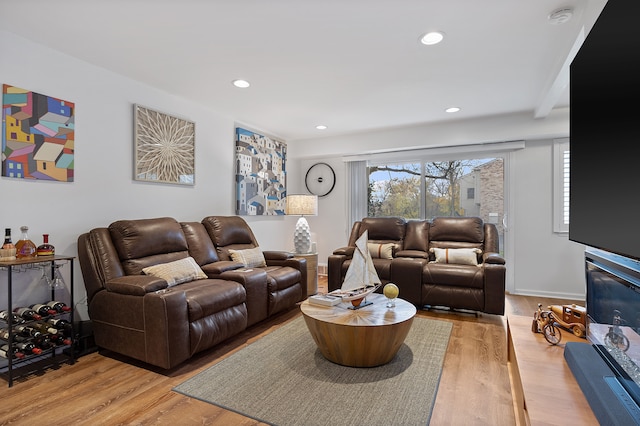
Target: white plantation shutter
(561,179)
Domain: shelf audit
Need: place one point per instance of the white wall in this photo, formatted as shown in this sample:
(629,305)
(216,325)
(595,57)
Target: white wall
(103,189)
(542,263)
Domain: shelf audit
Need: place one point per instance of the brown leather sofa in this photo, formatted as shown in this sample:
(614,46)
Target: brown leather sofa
(142,317)
(412,265)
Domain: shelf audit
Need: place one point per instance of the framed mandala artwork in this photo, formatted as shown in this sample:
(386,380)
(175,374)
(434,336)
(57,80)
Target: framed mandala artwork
(164,147)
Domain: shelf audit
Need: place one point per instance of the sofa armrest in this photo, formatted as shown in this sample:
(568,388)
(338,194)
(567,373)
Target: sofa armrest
(414,254)
(406,273)
(334,271)
(216,268)
(166,327)
(493,258)
(135,285)
(346,251)
(277,255)
(494,288)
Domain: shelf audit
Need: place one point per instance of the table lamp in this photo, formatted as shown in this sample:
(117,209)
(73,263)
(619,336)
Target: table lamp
(304,205)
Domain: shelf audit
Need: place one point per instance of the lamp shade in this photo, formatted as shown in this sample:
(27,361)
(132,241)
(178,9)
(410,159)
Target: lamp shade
(302,204)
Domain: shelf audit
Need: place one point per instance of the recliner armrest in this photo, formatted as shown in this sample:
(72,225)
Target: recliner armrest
(135,285)
(216,268)
(493,258)
(416,254)
(277,255)
(346,251)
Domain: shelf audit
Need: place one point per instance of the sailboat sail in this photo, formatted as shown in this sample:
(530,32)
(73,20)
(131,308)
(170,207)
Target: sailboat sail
(361,271)
(361,278)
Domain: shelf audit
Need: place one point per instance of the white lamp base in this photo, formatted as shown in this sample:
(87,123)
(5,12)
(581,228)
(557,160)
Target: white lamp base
(302,236)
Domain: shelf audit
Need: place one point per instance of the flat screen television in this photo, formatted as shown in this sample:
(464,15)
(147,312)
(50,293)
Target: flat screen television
(604,207)
(603,210)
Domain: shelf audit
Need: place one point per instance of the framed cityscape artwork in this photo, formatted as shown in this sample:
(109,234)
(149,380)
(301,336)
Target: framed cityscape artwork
(164,147)
(260,174)
(38,136)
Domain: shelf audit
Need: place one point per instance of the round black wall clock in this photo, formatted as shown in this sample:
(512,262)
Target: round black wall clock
(320,179)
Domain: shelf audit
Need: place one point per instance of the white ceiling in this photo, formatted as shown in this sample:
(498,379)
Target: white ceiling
(353,65)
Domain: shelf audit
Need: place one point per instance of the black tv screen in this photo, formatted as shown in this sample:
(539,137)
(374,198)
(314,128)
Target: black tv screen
(604,208)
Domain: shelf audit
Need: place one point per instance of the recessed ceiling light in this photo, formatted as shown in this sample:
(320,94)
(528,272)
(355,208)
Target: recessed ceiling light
(433,37)
(321,127)
(243,84)
(452,109)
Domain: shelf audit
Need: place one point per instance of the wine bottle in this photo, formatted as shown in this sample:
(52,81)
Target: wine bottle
(45,328)
(15,318)
(44,342)
(28,348)
(43,310)
(25,247)
(4,352)
(28,314)
(62,325)
(60,340)
(45,249)
(59,306)
(8,244)
(28,331)
(15,337)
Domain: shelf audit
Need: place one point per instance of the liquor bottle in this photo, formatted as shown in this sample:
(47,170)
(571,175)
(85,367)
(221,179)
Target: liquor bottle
(8,244)
(15,318)
(59,306)
(43,310)
(45,249)
(4,352)
(62,325)
(25,247)
(28,348)
(28,331)
(28,314)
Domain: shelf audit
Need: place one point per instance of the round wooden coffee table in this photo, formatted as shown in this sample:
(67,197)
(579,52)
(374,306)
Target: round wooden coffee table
(366,337)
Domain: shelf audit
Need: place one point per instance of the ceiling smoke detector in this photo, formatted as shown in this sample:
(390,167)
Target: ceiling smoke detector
(560,16)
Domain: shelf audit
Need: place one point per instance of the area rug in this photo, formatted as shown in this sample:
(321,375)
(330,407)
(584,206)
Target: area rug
(283,379)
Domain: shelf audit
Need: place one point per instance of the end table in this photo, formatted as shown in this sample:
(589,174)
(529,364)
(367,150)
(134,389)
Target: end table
(312,271)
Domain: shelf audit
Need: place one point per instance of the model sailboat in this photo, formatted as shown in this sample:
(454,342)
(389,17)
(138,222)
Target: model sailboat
(361,278)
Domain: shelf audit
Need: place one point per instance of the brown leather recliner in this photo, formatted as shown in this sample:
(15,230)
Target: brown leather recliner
(286,275)
(140,316)
(421,280)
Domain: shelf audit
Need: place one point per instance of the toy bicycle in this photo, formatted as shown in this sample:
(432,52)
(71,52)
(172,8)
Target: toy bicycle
(545,322)
(615,338)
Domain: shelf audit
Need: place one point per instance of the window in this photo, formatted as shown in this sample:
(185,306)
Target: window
(561,158)
(427,189)
(471,193)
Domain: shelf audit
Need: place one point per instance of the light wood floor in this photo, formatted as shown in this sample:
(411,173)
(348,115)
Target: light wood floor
(104,389)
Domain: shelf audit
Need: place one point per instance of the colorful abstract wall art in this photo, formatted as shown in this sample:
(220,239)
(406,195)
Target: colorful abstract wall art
(38,136)
(164,147)
(260,174)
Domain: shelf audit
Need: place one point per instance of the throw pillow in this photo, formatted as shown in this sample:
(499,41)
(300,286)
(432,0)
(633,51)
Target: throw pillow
(381,251)
(462,256)
(251,258)
(177,272)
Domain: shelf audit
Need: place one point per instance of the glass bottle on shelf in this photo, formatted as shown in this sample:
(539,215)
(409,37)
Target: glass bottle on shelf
(8,244)
(25,247)
(45,249)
